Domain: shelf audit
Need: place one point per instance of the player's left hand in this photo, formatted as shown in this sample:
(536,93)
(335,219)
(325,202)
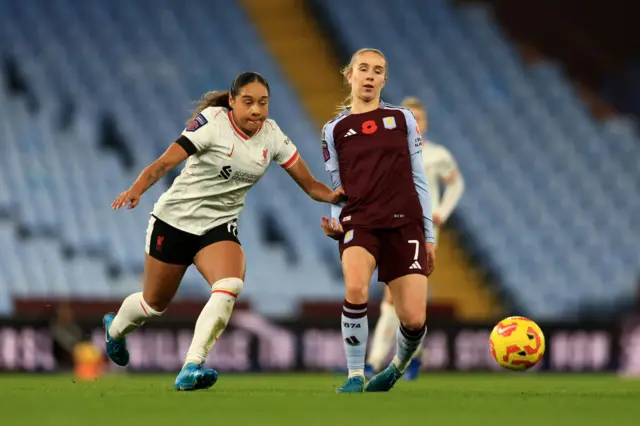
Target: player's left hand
(431,258)
(437,220)
(129,198)
(337,196)
(332,228)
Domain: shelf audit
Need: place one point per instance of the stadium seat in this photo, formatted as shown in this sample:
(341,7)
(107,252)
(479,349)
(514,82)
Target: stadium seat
(550,205)
(60,181)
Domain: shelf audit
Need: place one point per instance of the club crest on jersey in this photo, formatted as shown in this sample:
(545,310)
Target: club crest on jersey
(389,122)
(348,236)
(265,155)
(196,123)
(325,151)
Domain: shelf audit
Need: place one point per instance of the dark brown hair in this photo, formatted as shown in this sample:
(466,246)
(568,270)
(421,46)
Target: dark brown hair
(216,98)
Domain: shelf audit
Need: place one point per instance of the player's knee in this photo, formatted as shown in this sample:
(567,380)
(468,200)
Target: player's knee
(413,320)
(357,293)
(230,286)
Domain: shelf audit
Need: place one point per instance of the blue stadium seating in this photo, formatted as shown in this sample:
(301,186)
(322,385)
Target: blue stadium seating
(142,63)
(551,205)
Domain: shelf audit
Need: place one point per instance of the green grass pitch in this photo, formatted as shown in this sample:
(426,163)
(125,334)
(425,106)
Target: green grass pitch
(308,400)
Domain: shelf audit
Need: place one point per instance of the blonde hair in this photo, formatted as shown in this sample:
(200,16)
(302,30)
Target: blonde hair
(349,68)
(413,102)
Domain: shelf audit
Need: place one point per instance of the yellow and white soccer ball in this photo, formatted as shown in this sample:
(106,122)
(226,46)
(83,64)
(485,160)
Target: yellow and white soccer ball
(517,343)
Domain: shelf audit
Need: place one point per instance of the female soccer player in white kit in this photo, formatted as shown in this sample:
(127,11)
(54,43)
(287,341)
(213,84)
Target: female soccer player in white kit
(441,168)
(228,144)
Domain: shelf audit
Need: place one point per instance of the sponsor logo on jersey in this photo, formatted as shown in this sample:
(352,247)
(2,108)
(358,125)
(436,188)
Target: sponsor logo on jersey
(196,123)
(325,151)
(389,122)
(228,173)
(246,177)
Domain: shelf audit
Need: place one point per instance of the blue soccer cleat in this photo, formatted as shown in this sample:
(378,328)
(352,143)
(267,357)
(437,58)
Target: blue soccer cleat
(384,381)
(116,349)
(369,371)
(413,370)
(194,377)
(353,384)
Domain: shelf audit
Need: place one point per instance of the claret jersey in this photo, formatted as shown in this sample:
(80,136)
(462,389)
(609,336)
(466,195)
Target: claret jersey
(377,158)
(212,187)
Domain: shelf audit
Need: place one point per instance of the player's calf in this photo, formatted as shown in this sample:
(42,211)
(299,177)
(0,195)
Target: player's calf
(133,313)
(355,332)
(213,319)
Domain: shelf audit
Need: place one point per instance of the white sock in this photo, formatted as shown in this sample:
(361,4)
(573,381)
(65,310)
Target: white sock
(133,313)
(214,318)
(384,335)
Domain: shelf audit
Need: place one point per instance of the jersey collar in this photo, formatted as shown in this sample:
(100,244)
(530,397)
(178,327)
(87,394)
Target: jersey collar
(239,132)
(382,105)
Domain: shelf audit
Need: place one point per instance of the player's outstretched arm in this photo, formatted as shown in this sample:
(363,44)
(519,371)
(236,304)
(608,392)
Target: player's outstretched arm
(315,189)
(173,156)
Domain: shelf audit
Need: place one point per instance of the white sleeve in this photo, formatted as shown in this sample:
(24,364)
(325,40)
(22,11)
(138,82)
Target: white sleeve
(447,167)
(449,174)
(202,130)
(285,152)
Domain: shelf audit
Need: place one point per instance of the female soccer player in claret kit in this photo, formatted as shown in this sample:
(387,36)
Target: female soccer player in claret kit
(373,150)
(440,168)
(228,144)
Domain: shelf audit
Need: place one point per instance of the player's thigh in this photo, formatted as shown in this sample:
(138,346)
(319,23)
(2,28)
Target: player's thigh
(161,282)
(402,266)
(358,265)
(169,252)
(359,251)
(221,255)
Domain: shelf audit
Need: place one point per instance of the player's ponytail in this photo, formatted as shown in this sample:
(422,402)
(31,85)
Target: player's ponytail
(211,99)
(346,71)
(221,99)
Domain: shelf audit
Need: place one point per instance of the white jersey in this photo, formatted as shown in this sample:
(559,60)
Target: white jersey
(439,166)
(211,189)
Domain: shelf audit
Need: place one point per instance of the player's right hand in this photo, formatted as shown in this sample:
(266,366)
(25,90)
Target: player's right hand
(130,197)
(332,228)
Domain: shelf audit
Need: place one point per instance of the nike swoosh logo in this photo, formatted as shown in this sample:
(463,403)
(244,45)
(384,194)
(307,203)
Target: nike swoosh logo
(231,153)
(508,329)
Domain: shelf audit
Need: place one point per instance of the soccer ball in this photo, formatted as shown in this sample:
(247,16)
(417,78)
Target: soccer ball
(517,343)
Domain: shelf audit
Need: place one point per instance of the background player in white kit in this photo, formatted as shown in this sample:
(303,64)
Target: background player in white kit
(229,143)
(440,168)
